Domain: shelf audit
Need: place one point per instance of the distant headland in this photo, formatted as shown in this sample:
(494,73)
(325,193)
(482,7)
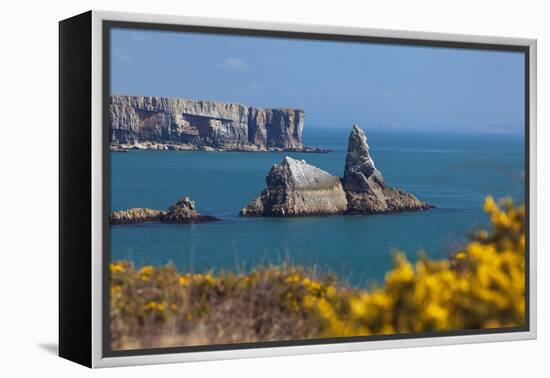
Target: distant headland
(162,123)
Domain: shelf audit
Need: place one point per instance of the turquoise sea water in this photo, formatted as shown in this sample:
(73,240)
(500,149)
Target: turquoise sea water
(453,171)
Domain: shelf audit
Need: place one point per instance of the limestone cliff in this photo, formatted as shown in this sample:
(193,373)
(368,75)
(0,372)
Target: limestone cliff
(174,123)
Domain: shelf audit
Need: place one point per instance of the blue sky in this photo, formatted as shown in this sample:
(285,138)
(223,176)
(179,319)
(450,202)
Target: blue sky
(336,83)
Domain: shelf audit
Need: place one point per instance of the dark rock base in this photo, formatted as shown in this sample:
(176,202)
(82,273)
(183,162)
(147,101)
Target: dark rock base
(193,220)
(392,200)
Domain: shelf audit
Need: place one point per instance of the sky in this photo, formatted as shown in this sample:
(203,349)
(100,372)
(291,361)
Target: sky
(336,83)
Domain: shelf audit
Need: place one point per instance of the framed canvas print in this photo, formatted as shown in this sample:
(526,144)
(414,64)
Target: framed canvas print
(233,189)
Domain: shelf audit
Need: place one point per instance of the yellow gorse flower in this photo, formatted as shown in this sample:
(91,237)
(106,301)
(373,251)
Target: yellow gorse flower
(117,267)
(146,272)
(184,280)
(154,306)
(480,286)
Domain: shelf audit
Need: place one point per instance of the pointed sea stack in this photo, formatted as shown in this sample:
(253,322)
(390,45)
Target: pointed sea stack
(296,188)
(365,188)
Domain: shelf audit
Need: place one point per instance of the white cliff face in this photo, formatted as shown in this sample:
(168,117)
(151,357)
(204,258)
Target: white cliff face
(183,211)
(137,119)
(212,109)
(257,132)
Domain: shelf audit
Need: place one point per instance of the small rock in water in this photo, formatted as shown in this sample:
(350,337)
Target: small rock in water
(135,215)
(182,211)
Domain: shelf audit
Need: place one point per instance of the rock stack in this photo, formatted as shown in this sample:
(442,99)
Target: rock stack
(295,188)
(365,188)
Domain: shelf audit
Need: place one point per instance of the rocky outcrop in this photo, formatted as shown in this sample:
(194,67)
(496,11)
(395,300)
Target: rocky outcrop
(181,124)
(360,174)
(135,215)
(295,188)
(366,190)
(182,211)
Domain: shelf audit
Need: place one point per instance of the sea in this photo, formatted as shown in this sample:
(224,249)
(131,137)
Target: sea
(454,171)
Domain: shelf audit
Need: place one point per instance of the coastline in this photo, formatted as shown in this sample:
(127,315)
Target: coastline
(153,146)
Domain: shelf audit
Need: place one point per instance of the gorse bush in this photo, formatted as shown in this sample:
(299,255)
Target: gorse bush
(160,307)
(480,286)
